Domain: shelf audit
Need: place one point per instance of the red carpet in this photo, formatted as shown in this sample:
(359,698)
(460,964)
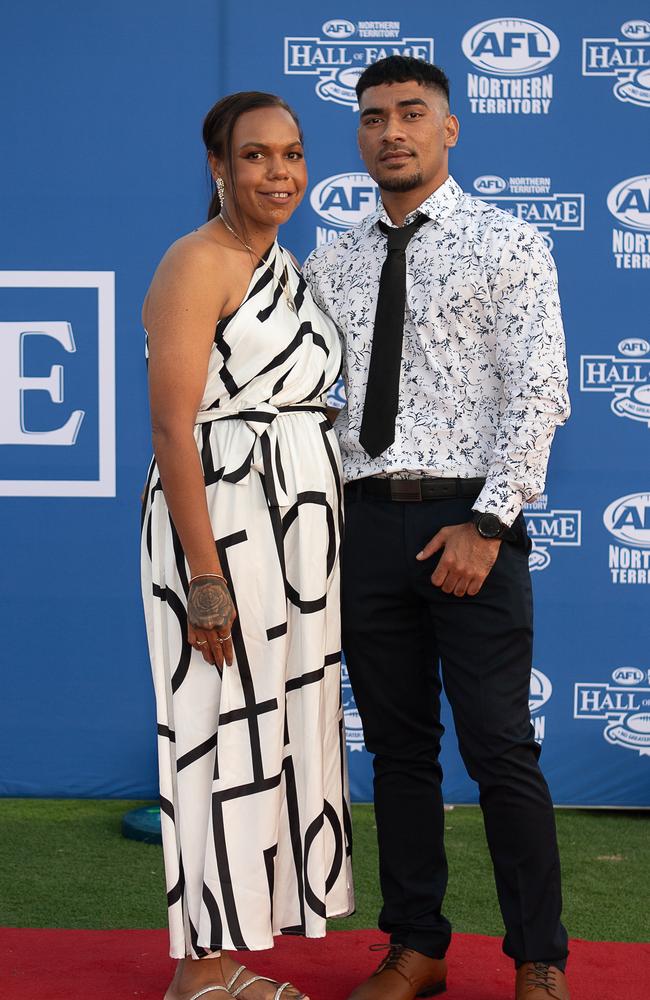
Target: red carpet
(119,965)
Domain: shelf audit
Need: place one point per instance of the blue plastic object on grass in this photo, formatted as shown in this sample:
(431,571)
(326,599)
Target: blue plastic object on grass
(143,824)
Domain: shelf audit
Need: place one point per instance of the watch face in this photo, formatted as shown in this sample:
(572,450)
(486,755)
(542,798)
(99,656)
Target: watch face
(489,526)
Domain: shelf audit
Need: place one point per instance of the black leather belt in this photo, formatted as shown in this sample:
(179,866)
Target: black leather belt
(414,489)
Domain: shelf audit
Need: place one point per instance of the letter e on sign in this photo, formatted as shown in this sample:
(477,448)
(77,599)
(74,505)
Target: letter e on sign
(14,384)
(57,383)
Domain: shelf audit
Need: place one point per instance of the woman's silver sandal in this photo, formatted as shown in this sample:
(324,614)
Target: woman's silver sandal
(256,979)
(214,989)
(205,990)
(209,989)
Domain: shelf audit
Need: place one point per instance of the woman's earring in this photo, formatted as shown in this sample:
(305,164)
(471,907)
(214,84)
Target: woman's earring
(221,188)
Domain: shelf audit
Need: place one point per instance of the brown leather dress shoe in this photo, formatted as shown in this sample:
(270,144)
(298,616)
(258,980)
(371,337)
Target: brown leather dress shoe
(540,981)
(404,974)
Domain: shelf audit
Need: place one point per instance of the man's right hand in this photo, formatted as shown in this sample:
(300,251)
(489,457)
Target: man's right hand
(466,560)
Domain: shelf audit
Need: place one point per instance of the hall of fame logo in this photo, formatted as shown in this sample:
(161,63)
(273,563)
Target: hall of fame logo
(541,690)
(629,203)
(354,738)
(625,375)
(628,520)
(512,55)
(339,55)
(548,529)
(336,395)
(624,706)
(626,58)
(532,200)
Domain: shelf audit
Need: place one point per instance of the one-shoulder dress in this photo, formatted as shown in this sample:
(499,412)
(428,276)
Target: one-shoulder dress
(253,782)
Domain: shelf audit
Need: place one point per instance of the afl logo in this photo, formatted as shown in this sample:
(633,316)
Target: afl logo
(510,46)
(345,199)
(630,676)
(638,31)
(490,184)
(629,202)
(628,519)
(339,29)
(634,347)
(541,690)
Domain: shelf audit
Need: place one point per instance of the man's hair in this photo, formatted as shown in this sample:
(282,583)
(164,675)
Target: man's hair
(403,69)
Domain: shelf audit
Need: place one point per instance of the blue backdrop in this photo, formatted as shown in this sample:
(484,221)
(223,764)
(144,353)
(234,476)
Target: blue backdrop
(103,167)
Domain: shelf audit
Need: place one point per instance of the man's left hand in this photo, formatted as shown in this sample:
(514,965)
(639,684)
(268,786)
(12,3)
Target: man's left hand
(466,559)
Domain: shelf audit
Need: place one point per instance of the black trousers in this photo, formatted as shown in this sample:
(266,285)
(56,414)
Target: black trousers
(403,638)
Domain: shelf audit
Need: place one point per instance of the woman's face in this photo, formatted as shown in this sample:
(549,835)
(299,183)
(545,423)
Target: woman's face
(270,175)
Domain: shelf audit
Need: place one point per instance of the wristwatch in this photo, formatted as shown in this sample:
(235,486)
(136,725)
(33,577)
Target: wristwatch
(490,526)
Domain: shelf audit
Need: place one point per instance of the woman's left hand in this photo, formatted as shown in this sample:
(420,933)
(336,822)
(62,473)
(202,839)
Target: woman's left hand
(210,617)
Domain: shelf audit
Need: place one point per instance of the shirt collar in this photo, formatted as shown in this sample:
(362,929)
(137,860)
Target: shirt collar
(436,207)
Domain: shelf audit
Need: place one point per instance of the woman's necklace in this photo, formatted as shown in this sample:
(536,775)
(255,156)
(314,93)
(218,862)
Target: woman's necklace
(283,280)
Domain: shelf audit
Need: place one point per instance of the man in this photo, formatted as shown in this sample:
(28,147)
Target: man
(455,379)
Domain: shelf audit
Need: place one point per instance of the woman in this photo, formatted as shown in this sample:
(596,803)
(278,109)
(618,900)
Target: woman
(241,531)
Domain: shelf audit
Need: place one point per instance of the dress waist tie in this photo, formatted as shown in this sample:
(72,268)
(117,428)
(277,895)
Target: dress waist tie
(262,448)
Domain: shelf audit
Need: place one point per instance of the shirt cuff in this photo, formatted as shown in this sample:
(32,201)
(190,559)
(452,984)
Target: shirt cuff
(500,499)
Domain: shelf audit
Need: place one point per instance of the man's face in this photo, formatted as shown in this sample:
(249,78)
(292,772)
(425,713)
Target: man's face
(405,131)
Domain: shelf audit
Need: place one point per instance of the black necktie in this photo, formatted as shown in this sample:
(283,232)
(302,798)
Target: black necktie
(382,391)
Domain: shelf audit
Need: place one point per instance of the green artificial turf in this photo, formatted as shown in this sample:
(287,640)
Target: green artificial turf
(64,863)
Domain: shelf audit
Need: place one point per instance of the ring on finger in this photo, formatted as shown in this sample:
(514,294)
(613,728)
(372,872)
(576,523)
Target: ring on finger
(204,643)
(224,638)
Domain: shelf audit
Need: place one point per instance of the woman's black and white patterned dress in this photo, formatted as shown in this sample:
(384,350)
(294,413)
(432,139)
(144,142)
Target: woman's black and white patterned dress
(254,796)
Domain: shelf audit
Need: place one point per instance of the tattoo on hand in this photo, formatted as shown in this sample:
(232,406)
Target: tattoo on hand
(209,604)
